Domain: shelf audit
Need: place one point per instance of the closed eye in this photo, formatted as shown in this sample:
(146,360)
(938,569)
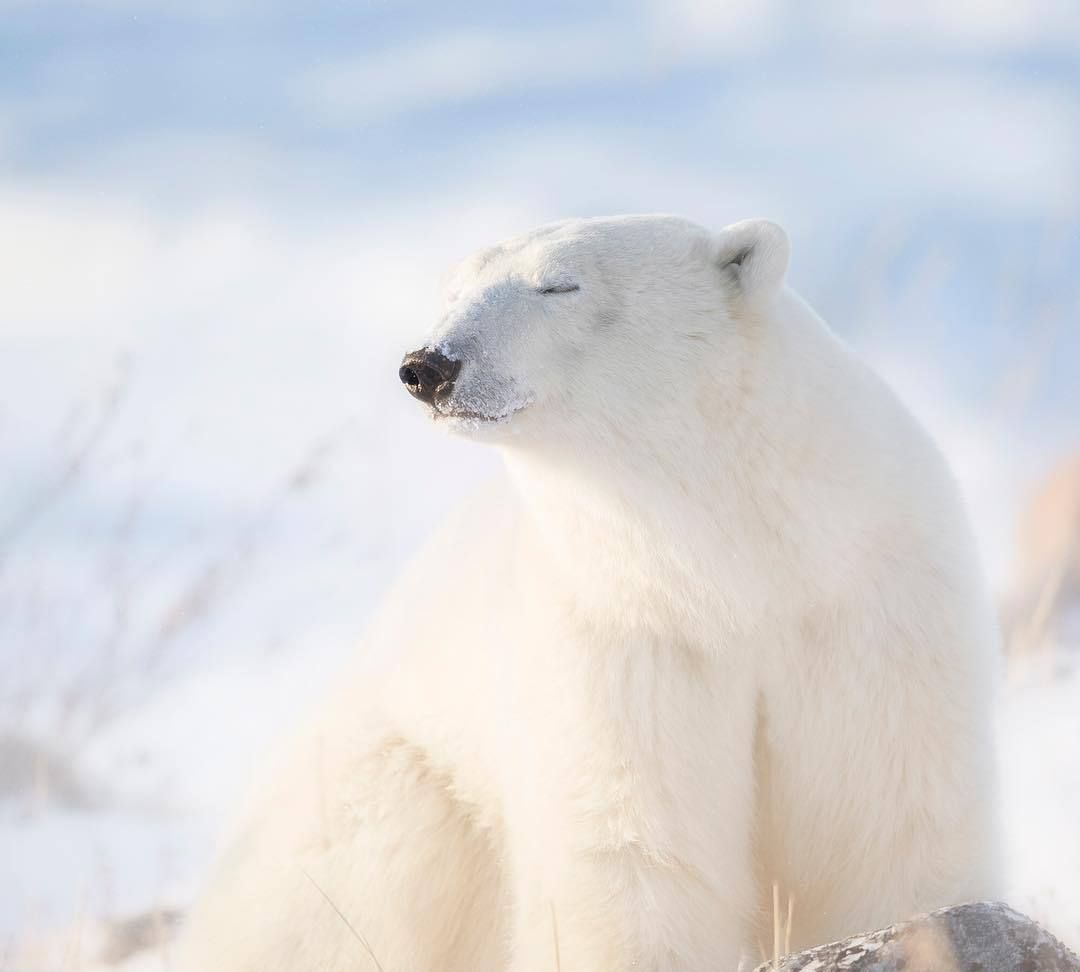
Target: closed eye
(561,288)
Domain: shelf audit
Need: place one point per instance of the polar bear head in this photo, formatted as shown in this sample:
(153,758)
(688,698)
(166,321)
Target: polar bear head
(590,325)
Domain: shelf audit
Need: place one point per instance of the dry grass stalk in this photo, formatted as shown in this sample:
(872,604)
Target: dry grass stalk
(555,937)
(348,924)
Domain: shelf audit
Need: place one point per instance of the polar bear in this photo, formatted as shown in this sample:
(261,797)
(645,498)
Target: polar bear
(719,627)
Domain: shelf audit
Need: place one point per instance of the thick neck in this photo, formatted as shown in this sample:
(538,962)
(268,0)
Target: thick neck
(701,521)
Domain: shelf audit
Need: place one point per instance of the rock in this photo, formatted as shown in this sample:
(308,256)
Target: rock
(981,937)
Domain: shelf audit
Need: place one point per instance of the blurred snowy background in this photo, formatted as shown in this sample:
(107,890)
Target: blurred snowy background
(222,222)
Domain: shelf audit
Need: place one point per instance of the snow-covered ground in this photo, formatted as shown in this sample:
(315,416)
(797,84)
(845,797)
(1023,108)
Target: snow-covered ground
(80,874)
(220,226)
(1040,736)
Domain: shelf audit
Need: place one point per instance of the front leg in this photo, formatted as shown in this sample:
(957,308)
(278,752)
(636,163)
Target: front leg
(631,841)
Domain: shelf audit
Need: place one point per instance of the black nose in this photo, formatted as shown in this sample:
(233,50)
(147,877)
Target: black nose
(428,374)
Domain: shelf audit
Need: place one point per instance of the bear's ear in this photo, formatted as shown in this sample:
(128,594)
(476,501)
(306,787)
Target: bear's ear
(754,252)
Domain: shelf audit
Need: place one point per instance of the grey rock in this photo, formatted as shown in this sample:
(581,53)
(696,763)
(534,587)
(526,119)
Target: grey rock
(981,937)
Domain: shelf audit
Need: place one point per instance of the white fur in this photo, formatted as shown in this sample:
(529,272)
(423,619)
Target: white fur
(720,625)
